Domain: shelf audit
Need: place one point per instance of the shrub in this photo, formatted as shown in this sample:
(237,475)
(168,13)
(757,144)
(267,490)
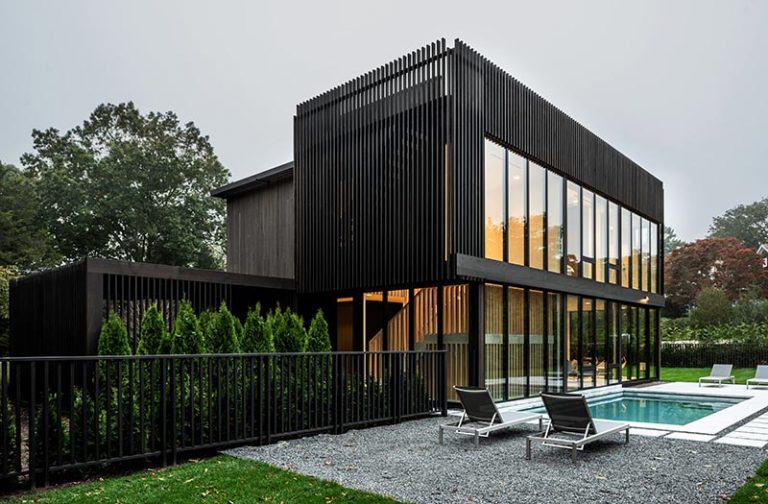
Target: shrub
(205,319)
(712,307)
(257,336)
(318,337)
(152,332)
(751,308)
(223,332)
(113,339)
(288,331)
(187,337)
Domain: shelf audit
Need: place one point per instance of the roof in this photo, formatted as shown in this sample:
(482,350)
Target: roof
(276,174)
(763,249)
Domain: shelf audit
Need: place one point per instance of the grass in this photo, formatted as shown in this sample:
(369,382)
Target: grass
(221,479)
(755,489)
(693,374)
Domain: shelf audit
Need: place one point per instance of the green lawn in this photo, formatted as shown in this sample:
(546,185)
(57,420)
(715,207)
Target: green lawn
(693,374)
(220,479)
(755,489)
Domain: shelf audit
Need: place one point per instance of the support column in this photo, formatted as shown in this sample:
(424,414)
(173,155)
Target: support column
(476,336)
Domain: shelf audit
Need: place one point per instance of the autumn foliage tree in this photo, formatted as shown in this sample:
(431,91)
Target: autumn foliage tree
(722,263)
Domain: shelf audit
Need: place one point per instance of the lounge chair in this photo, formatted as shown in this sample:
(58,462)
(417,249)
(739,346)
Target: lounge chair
(481,416)
(761,376)
(719,374)
(571,425)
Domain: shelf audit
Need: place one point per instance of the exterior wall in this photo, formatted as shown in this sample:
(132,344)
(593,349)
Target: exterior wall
(491,103)
(389,168)
(261,231)
(370,162)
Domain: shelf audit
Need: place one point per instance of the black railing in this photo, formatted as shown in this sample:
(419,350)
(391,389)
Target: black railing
(62,414)
(704,354)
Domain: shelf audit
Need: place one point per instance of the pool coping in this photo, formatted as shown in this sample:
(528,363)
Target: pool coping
(753,401)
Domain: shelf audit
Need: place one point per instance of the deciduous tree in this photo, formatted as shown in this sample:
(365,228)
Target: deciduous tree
(125,185)
(746,223)
(724,263)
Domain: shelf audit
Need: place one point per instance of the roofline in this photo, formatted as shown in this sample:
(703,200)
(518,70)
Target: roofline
(276,174)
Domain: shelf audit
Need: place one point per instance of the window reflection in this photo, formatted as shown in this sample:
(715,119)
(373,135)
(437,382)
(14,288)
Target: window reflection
(587,232)
(601,237)
(536,209)
(516,202)
(554,222)
(626,247)
(573,226)
(494,201)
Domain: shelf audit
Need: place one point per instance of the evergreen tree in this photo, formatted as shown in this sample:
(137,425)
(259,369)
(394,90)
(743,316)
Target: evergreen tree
(288,332)
(187,336)
(113,339)
(152,332)
(223,333)
(318,337)
(257,336)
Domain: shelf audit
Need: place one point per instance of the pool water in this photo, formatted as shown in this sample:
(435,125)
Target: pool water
(648,407)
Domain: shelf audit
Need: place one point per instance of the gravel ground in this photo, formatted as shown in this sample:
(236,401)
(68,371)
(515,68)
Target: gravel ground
(405,462)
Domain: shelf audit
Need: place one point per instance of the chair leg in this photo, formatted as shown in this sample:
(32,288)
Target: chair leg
(527,449)
(477,439)
(626,440)
(573,454)
(541,424)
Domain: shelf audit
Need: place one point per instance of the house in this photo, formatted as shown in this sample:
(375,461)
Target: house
(762,251)
(437,203)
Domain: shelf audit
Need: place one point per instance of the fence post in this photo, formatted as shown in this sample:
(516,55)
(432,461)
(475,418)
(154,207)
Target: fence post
(174,426)
(444,383)
(31,427)
(396,384)
(164,410)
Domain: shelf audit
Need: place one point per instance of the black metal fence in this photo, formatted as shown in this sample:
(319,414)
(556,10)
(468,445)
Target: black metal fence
(62,414)
(704,354)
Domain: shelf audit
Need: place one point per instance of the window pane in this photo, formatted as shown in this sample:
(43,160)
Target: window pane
(636,243)
(601,356)
(554,338)
(455,334)
(516,205)
(642,343)
(588,342)
(536,342)
(601,237)
(626,247)
(614,335)
(494,201)
(652,317)
(555,222)
(537,197)
(588,232)
(494,341)
(646,250)
(516,339)
(654,257)
(613,242)
(573,202)
(572,342)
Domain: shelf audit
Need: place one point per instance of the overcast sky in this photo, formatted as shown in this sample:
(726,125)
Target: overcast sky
(679,87)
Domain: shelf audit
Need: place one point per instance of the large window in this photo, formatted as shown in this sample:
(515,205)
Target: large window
(494,201)
(516,204)
(536,349)
(645,230)
(614,243)
(537,197)
(572,350)
(587,233)
(539,219)
(601,238)
(636,250)
(555,336)
(626,247)
(494,341)
(554,222)
(573,226)
(516,316)
(654,257)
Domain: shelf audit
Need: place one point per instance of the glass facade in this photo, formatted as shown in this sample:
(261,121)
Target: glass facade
(537,218)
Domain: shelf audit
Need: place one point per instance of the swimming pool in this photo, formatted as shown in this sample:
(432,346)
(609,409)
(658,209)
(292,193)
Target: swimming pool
(655,407)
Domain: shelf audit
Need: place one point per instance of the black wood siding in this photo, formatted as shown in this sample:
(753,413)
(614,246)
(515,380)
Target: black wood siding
(389,167)
(370,161)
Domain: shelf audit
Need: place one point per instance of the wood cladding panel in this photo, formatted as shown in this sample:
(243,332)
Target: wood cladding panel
(261,231)
(370,159)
